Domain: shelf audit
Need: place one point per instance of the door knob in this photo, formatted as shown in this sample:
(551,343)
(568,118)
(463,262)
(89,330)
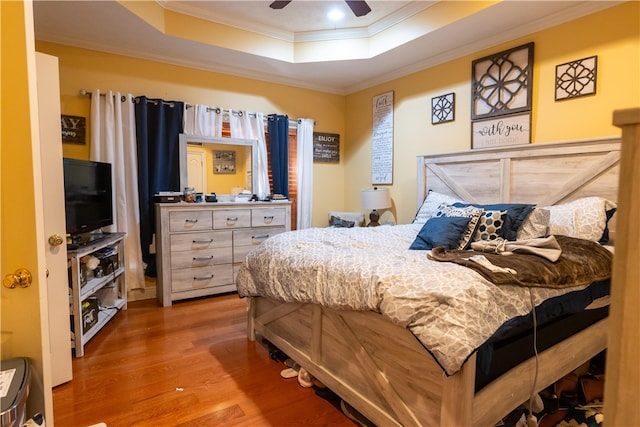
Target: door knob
(21,278)
(55,240)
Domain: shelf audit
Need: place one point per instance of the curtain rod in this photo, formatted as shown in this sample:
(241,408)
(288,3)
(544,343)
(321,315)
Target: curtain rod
(218,110)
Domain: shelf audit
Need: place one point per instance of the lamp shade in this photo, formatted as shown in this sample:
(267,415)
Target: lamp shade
(376,198)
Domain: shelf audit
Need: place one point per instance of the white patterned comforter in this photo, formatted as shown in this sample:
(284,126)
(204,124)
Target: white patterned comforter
(451,309)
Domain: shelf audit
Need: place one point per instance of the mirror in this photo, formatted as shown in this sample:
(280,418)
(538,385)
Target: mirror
(217,165)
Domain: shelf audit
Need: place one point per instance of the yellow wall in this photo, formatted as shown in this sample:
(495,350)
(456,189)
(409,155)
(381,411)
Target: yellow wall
(613,35)
(90,70)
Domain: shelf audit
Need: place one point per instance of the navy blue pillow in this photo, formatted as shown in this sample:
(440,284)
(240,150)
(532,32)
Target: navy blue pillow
(516,214)
(605,234)
(440,231)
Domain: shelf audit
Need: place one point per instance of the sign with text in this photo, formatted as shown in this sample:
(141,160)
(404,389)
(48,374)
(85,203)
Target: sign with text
(74,129)
(498,132)
(326,147)
(382,139)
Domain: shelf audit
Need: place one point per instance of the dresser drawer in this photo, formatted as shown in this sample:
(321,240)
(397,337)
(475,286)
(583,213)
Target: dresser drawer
(201,241)
(254,237)
(201,258)
(245,240)
(231,218)
(267,217)
(201,277)
(190,220)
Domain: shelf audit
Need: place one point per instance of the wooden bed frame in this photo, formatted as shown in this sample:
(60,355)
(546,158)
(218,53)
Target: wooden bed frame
(381,369)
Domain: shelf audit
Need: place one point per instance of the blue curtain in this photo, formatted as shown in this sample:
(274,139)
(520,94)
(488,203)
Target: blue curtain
(278,130)
(158,124)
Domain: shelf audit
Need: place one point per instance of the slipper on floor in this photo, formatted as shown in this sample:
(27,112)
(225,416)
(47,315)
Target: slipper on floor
(289,373)
(304,378)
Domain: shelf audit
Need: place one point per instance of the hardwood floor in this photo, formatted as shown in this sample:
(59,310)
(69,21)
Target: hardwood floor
(185,365)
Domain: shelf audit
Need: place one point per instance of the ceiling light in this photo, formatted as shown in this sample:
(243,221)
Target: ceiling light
(335,15)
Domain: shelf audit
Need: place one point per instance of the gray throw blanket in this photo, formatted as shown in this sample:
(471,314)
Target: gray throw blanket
(580,262)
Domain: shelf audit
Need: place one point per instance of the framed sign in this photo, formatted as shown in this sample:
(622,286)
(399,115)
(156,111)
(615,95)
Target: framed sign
(382,139)
(74,129)
(224,161)
(326,147)
(501,131)
(501,83)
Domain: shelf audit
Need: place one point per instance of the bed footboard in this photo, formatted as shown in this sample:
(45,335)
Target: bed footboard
(385,373)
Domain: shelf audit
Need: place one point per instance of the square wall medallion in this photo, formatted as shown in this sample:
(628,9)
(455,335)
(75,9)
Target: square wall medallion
(443,108)
(576,78)
(501,83)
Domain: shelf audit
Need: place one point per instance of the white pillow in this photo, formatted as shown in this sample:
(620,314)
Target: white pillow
(535,225)
(431,204)
(584,218)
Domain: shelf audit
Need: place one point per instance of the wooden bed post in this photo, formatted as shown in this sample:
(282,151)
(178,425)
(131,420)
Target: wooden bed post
(251,319)
(622,385)
(457,396)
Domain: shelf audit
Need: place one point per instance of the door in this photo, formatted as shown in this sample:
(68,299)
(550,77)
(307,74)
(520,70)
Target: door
(24,318)
(54,220)
(196,175)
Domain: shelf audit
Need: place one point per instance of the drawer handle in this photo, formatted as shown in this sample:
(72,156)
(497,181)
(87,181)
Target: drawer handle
(192,221)
(209,277)
(203,258)
(263,236)
(202,242)
(232,219)
(268,219)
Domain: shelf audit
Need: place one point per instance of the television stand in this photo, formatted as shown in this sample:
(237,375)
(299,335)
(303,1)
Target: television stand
(96,295)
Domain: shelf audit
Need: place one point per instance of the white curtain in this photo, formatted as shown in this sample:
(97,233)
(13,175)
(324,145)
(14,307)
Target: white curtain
(113,140)
(248,125)
(305,173)
(202,120)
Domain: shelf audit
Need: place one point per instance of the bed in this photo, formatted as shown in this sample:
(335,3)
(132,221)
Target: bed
(378,365)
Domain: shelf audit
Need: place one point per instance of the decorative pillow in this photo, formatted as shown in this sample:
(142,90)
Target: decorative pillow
(535,225)
(442,231)
(431,204)
(584,218)
(336,221)
(356,217)
(516,214)
(489,225)
(471,212)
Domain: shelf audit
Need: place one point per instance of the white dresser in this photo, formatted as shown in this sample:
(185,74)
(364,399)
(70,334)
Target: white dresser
(201,245)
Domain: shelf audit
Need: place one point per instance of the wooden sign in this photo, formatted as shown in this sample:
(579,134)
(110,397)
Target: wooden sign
(498,132)
(74,129)
(326,147)
(382,139)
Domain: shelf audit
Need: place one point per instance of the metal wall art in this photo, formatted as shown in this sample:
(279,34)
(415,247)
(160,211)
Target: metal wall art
(443,108)
(576,78)
(501,83)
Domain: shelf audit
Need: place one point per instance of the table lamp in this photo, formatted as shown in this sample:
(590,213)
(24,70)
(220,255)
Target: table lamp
(375,198)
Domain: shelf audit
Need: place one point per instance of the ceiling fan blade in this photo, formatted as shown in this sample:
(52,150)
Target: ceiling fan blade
(359,8)
(279,4)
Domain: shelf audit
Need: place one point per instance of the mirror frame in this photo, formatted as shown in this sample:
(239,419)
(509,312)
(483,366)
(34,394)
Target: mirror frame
(184,139)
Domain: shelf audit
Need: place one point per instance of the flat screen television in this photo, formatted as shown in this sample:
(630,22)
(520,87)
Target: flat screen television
(88,199)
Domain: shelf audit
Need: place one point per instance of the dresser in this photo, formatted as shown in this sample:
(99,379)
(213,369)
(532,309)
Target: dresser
(200,246)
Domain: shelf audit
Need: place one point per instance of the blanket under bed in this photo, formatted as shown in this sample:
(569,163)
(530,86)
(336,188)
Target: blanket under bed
(451,309)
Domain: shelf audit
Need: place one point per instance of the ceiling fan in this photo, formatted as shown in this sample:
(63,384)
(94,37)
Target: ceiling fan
(358,7)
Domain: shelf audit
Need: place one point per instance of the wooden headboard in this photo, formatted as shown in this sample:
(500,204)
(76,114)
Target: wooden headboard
(544,174)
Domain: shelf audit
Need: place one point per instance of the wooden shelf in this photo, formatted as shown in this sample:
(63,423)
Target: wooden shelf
(79,293)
